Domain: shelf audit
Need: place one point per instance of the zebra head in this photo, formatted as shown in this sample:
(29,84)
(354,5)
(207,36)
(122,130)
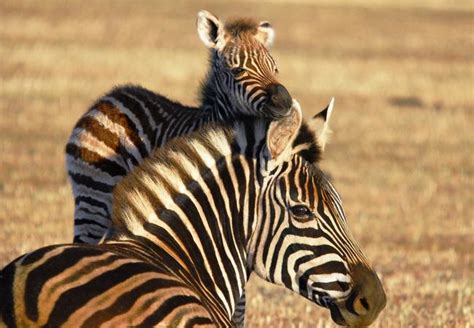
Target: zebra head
(243,72)
(302,240)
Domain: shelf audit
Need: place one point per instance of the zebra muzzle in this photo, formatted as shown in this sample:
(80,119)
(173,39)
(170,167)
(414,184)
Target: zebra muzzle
(365,302)
(279,101)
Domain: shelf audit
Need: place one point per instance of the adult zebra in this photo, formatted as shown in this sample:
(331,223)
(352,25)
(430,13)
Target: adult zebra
(126,125)
(180,252)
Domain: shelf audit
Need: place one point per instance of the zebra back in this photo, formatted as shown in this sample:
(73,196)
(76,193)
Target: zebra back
(93,286)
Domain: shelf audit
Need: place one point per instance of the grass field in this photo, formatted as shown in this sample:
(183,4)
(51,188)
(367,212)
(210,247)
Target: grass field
(401,153)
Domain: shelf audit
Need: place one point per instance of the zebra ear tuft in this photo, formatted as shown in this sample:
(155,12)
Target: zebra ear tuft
(320,125)
(208,27)
(282,133)
(265,34)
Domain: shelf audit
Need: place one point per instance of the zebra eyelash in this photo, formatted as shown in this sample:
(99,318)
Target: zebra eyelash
(302,213)
(237,70)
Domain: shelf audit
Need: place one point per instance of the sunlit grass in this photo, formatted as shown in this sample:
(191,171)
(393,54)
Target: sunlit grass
(401,153)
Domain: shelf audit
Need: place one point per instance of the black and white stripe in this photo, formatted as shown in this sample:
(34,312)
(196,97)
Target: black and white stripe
(189,226)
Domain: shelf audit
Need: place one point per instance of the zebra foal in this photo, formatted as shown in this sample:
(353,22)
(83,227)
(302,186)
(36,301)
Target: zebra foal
(126,125)
(191,223)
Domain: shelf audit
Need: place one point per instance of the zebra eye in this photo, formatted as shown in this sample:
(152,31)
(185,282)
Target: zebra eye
(301,213)
(237,70)
(276,71)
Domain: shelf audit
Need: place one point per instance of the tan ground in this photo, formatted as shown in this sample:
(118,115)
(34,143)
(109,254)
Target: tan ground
(401,155)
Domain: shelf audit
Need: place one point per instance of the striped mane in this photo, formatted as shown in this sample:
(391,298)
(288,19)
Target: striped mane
(168,171)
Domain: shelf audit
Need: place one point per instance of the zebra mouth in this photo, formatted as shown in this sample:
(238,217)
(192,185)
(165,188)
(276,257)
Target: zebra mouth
(276,113)
(336,314)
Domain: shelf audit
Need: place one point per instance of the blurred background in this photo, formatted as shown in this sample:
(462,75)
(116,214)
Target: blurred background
(401,154)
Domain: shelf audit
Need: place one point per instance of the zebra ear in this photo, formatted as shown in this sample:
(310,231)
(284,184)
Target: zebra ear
(265,34)
(320,124)
(282,133)
(209,27)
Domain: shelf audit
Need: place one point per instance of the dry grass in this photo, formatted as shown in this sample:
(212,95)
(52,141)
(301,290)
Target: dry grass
(401,154)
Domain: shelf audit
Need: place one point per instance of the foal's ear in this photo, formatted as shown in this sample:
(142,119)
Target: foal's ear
(265,34)
(209,27)
(282,133)
(320,125)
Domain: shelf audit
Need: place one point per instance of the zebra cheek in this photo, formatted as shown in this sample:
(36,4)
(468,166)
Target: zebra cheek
(304,229)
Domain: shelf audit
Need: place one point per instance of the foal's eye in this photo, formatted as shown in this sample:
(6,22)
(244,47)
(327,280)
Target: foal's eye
(301,213)
(237,70)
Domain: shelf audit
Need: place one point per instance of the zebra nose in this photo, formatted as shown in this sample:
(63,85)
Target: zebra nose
(279,101)
(367,298)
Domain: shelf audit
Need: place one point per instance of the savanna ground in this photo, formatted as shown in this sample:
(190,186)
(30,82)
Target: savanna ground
(401,153)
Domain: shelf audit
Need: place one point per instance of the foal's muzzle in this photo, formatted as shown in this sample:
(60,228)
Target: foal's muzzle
(279,101)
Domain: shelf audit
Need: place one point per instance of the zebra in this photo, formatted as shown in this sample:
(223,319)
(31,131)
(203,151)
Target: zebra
(123,127)
(192,222)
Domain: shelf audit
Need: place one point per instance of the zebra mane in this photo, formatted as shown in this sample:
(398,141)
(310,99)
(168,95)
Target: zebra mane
(167,171)
(170,169)
(237,26)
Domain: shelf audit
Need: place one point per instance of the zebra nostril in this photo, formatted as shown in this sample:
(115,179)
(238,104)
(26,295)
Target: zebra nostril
(368,296)
(360,306)
(364,303)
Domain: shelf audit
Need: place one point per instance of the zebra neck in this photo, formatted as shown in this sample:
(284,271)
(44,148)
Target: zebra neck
(201,240)
(192,205)
(216,99)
